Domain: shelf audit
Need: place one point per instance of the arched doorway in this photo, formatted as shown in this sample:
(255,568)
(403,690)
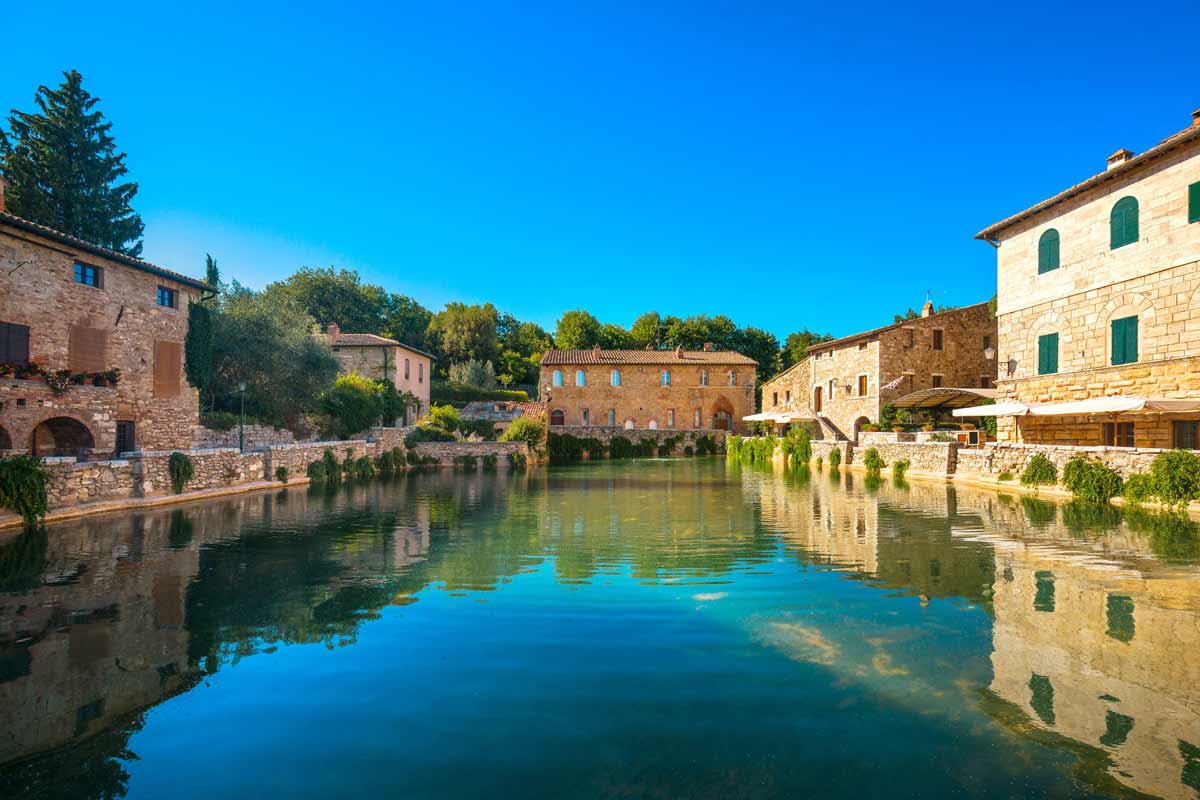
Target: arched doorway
(557,417)
(858,423)
(62,436)
(5,440)
(653,425)
(722,414)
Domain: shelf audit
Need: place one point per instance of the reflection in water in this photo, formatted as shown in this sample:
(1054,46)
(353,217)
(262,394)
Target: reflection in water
(655,628)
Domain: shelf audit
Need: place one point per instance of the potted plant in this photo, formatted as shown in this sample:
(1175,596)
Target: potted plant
(58,381)
(927,427)
(870,427)
(98,379)
(112,376)
(79,379)
(967,426)
(897,429)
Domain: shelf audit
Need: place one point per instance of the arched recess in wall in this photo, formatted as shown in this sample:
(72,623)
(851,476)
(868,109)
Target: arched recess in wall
(1130,304)
(5,440)
(61,436)
(721,415)
(858,424)
(1049,322)
(557,417)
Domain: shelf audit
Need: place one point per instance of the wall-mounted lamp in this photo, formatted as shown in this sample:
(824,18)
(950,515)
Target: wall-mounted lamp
(989,353)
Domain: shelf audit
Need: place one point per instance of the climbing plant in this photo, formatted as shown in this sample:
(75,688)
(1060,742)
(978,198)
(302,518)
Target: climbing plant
(24,486)
(181,469)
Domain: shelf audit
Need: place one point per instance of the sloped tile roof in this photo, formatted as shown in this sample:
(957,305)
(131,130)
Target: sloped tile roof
(1163,148)
(500,410)
(371,340)
(602,357)
(103,252)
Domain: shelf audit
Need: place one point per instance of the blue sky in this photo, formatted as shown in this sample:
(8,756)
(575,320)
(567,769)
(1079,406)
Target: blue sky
(760,160)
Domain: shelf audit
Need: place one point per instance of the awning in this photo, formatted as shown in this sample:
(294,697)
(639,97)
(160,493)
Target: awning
(794,416)
(1007,409)
(1114,405)
(944,397)
(762,416)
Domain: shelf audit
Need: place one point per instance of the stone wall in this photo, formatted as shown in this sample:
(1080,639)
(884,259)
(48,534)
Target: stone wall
(445,453)
(929,458)
(606,434)
(297,457)
(823,447)
(1013,457)
(256,436)
(117,325)
(73,483)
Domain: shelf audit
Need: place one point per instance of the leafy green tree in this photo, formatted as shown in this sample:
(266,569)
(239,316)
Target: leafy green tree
(460,332)
(62,167)
(577,330)
(646,330)
(692,333)
(339,296)
(353,403)
(472,372)
(212,274)
(614,337)
(405,320)
(760,345)
(795,347)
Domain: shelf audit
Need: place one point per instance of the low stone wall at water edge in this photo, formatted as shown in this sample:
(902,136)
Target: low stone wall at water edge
(256,436)
(446,453)
(930,458)
(73,482)
(297,457)
(823,447)
(1013,457)
(605,434)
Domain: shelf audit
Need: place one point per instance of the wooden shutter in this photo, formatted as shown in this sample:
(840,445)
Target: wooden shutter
(1131,340)
(1048,251)
(1125,340)
(14,343)
(87,349)
(1118,341)
(1194,202)
(1048,354)
(168,368)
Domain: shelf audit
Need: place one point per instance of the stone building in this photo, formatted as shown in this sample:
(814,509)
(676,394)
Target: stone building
(649,389)
(1098,291)
(845,384)
(379,357)
(91,347)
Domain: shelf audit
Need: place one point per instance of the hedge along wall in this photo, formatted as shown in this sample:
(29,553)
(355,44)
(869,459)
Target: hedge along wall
(930,458)
(606,434)
(445,452)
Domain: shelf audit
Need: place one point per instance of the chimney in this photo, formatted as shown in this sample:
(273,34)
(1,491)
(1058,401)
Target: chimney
(4,185)
(679,352)
(1120,157)
(333,330)
(927,309)
(1195,124)
(596,348)
(708,347)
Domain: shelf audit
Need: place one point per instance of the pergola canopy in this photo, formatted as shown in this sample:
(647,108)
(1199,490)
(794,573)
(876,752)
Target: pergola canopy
(1092,405)
(944,397)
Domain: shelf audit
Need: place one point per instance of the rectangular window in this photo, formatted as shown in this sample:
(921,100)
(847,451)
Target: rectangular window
(420,373)
(587,417)
(557,379)
(1125,341)
(1194,202)
(696,419)
(935,381)
(787,396)
(985,381)
(14,343)
(774,399)
(732,378)
(911,339)
(1048,354)
(615,377)
(88,275)
(862,385)
(1183,434)
(937,338)
(1118,434)
(862,346)
(665,379)
(126,442)
(168,368)
(670,418)
(580,378)
(407,369)
(87,349)
(166,297)
(987,342)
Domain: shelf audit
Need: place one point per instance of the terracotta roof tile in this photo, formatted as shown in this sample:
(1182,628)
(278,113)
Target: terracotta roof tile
(500,410)
(599,357)
(103,252)
(371,340)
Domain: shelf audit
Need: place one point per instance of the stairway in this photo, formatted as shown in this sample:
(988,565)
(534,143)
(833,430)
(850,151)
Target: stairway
(831,431)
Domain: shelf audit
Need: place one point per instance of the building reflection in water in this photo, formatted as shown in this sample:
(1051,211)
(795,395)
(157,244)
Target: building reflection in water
(1095,615)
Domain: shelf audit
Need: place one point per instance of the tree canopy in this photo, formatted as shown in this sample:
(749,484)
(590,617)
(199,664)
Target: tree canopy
(62,167)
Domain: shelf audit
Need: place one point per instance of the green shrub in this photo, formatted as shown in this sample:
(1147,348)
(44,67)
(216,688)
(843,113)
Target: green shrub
(24,486)
(281,473)
(414,458)
(900,467)
(821,461)
(872,460)
(490,461)
(445,417)
(1039,471)
(1138,489)
(688,451)
(517,460)
(797,445)
(644,448)
(181,469)
(1176,477)
(1091,481)
(1004,476)
(835,457)
(427,433)
(531,430)
(352,403)
(468,463)
(333,470)
(620,447)
(461,394)
(733,447)
(316,472)
(564,448)
(706,445)
(667,446)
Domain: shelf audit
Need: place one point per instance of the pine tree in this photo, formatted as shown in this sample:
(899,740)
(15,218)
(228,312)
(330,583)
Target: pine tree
(62,167)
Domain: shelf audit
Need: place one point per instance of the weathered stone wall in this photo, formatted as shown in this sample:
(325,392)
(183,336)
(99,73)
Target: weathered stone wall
(930,458)
(297,457)
(121,316)
(73,483)
(823,447)
(644,402)
(1013,457)
(445,453)
(256,436)
(606,434)
(407,369)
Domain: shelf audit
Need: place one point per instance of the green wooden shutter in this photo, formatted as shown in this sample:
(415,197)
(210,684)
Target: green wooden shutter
(1131,340)
(1125,340)
(1123,223)
(1118,341)
(1048,251)
(1048,354)
(1194,202)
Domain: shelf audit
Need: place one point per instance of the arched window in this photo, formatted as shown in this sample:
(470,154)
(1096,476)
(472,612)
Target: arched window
(407,369)
(616,377)
(612,418)
(665,379)
(1048,251)
(653,425)
(557,379)
(1123,223)
(580,378)
(557,417)
(704,377)
(420,373)
(629,424)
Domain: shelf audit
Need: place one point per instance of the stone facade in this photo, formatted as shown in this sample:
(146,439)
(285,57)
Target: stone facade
(115,325)
(255,436)
(445,453)
(846,383)
(1154,278)
(606,434)
(674,390)
(378,357)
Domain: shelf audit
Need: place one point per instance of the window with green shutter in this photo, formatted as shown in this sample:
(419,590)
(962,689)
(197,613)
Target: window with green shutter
(1123,223)
(1048,354)
(1048,251)
(1194,202)
(1125,340)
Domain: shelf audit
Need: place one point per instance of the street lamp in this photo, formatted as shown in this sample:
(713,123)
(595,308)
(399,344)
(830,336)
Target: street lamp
(242,421)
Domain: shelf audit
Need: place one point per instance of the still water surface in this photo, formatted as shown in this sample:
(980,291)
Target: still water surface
(647,629)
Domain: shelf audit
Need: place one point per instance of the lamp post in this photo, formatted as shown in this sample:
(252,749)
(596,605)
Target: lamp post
(242,420)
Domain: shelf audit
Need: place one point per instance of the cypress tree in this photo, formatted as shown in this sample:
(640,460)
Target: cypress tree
(62,166)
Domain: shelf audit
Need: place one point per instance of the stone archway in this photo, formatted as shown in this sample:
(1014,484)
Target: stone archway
(858,424)
(722,414)
(61,436)
(557,417)
(5,440)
